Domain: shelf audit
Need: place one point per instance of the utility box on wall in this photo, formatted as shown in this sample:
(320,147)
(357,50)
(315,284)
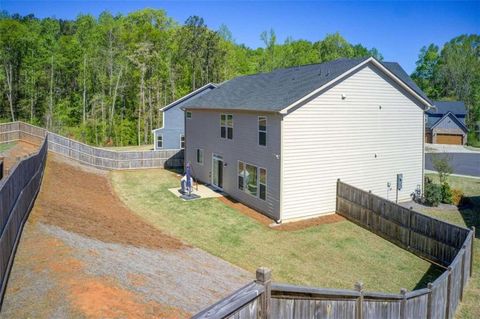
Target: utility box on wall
(399,181)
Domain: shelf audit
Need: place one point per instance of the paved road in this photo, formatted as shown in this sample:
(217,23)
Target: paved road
(462,163)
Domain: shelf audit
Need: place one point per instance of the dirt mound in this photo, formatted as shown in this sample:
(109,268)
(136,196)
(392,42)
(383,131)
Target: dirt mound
(83,202)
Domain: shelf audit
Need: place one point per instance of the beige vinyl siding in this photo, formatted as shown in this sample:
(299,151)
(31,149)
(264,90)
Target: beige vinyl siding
(330,138)
(203,132)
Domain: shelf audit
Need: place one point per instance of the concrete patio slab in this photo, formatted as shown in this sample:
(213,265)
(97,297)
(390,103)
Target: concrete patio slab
(202,191)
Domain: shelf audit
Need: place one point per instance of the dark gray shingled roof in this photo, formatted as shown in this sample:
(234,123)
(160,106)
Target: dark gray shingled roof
(278,89)
(435,114)
(443,107)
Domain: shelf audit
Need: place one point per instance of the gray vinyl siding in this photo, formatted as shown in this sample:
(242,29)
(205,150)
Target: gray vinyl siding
(351,139)
(173,125)
(203,132)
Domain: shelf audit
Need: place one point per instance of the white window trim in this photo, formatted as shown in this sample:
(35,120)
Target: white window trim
(226,126)
(196,156)
(182,135)
(258,180)
(259,131)
(161,138)
(259,183)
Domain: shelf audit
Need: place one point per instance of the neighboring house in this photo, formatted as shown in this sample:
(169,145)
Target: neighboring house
(172,133)
(279,141)
(446,123)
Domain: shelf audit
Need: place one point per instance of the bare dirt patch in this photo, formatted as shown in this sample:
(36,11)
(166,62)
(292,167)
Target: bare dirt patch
(93,210)
(83,254)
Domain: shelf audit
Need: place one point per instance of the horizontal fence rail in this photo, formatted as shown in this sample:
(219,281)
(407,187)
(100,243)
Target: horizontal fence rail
(90,155)
(18,191)
(447,245)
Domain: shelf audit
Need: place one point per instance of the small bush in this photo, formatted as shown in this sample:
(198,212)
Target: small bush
(433,194)
(446,193)
(457,197)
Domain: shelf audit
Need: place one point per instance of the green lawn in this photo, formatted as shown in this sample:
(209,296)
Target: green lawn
(466,216)
(331,255)
(6,146)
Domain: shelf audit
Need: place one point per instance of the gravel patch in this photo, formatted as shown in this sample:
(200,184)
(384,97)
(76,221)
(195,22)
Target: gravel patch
(187,278)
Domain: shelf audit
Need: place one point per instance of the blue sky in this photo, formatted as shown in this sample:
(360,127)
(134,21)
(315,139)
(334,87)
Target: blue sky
(398,29)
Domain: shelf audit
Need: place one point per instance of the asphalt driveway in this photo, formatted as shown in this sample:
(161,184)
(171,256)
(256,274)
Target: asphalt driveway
(462,163)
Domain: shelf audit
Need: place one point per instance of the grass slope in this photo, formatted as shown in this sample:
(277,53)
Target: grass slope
(331,255)
(465,216)
(6,146)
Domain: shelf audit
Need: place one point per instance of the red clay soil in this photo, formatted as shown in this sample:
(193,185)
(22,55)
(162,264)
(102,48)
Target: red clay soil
(302,224)
(93,209)
(85,296)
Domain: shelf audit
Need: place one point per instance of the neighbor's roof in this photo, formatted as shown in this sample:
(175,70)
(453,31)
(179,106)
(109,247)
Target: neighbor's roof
(276,90)
(452,116)
(189,96)
(443,107)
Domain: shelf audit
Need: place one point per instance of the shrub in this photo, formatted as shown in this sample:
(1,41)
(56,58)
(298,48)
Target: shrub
(442,166)
(457,197)
(446,193)
(433,194)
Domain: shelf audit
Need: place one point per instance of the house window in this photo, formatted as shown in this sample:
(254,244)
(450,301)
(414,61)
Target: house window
(252,180)
(189,115)
(262,130)
(199,156)
(159,141)
(182,141)
(226,126)
(241,174)
(262,183)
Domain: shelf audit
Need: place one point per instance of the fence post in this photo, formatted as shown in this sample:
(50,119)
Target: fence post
(336,197)
(471,253)
(370,208)
(464,247)
(359,287)
(403,304)
(449,292)
(264,277)
(429,301)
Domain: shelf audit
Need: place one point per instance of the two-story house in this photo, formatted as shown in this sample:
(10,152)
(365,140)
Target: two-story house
(172,133)
(279,141)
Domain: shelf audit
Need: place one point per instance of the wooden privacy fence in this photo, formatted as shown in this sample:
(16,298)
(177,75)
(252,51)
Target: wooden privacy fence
(89,155)
(18,191)
(448,245)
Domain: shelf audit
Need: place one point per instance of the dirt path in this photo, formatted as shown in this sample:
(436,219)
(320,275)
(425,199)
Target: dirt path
(83,254)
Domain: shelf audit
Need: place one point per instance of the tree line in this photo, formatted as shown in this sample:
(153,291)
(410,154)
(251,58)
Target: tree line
(103,80)
(452,72)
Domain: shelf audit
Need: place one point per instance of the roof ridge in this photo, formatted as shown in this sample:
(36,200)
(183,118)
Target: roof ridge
(304,65)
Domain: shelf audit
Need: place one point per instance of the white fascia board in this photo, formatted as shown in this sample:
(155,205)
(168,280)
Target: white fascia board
(185,97)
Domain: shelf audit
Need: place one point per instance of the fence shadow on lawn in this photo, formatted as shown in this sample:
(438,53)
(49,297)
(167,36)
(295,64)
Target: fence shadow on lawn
(471,213)
(430,275)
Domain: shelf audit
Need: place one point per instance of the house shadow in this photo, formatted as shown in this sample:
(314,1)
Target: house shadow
(470,212)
